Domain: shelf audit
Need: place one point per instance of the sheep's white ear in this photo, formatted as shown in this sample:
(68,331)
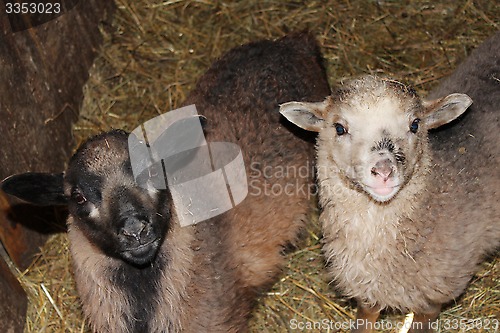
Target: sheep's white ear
(43,189)
(442,111)
(308,116)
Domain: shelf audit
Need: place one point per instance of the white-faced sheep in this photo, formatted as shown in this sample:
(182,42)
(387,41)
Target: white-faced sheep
(408,217)
(136,269)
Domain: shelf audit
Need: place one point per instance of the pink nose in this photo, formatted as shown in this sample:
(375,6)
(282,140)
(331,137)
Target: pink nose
(383,169)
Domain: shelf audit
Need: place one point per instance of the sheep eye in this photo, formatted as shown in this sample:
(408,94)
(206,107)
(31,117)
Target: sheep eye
(78,197)
(340,129)
(414,125)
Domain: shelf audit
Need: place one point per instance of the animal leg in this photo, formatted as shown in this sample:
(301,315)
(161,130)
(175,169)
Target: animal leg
(366,317)
(425,322)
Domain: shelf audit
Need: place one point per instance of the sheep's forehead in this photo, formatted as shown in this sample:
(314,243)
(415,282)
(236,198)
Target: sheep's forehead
(372,105)
(104,156)
(100,165)
(383,113)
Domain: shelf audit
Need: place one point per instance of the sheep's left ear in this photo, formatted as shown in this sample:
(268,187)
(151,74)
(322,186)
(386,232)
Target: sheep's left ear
(442,111)
(43,189)
(308,116)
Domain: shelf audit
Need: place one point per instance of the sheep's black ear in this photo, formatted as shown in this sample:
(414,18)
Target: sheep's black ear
(203,121)
(444,110)
(43,189)
(308,116)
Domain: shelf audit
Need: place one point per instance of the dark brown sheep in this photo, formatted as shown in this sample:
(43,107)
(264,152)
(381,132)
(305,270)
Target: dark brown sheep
(408,217)
(136,269)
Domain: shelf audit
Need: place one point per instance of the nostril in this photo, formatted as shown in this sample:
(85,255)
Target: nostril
(134,228)
(383,169)
(135,234)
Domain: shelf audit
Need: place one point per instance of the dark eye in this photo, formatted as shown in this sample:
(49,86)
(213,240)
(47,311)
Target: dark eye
(340,129)
(414,126)
(78,197)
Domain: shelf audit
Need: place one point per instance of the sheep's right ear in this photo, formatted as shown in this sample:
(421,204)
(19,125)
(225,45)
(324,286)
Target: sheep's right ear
(43,189)
(308,116)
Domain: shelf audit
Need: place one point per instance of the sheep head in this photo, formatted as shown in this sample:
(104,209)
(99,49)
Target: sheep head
(105,202)
(374,131)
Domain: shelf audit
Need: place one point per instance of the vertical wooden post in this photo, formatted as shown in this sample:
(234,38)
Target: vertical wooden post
(44,64)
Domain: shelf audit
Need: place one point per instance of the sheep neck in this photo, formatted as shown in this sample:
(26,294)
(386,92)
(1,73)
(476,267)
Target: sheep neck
(108,304)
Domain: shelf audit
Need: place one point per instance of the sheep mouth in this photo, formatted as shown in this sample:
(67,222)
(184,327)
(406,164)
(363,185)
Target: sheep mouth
(142,254)
(382,193)
(142,246)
